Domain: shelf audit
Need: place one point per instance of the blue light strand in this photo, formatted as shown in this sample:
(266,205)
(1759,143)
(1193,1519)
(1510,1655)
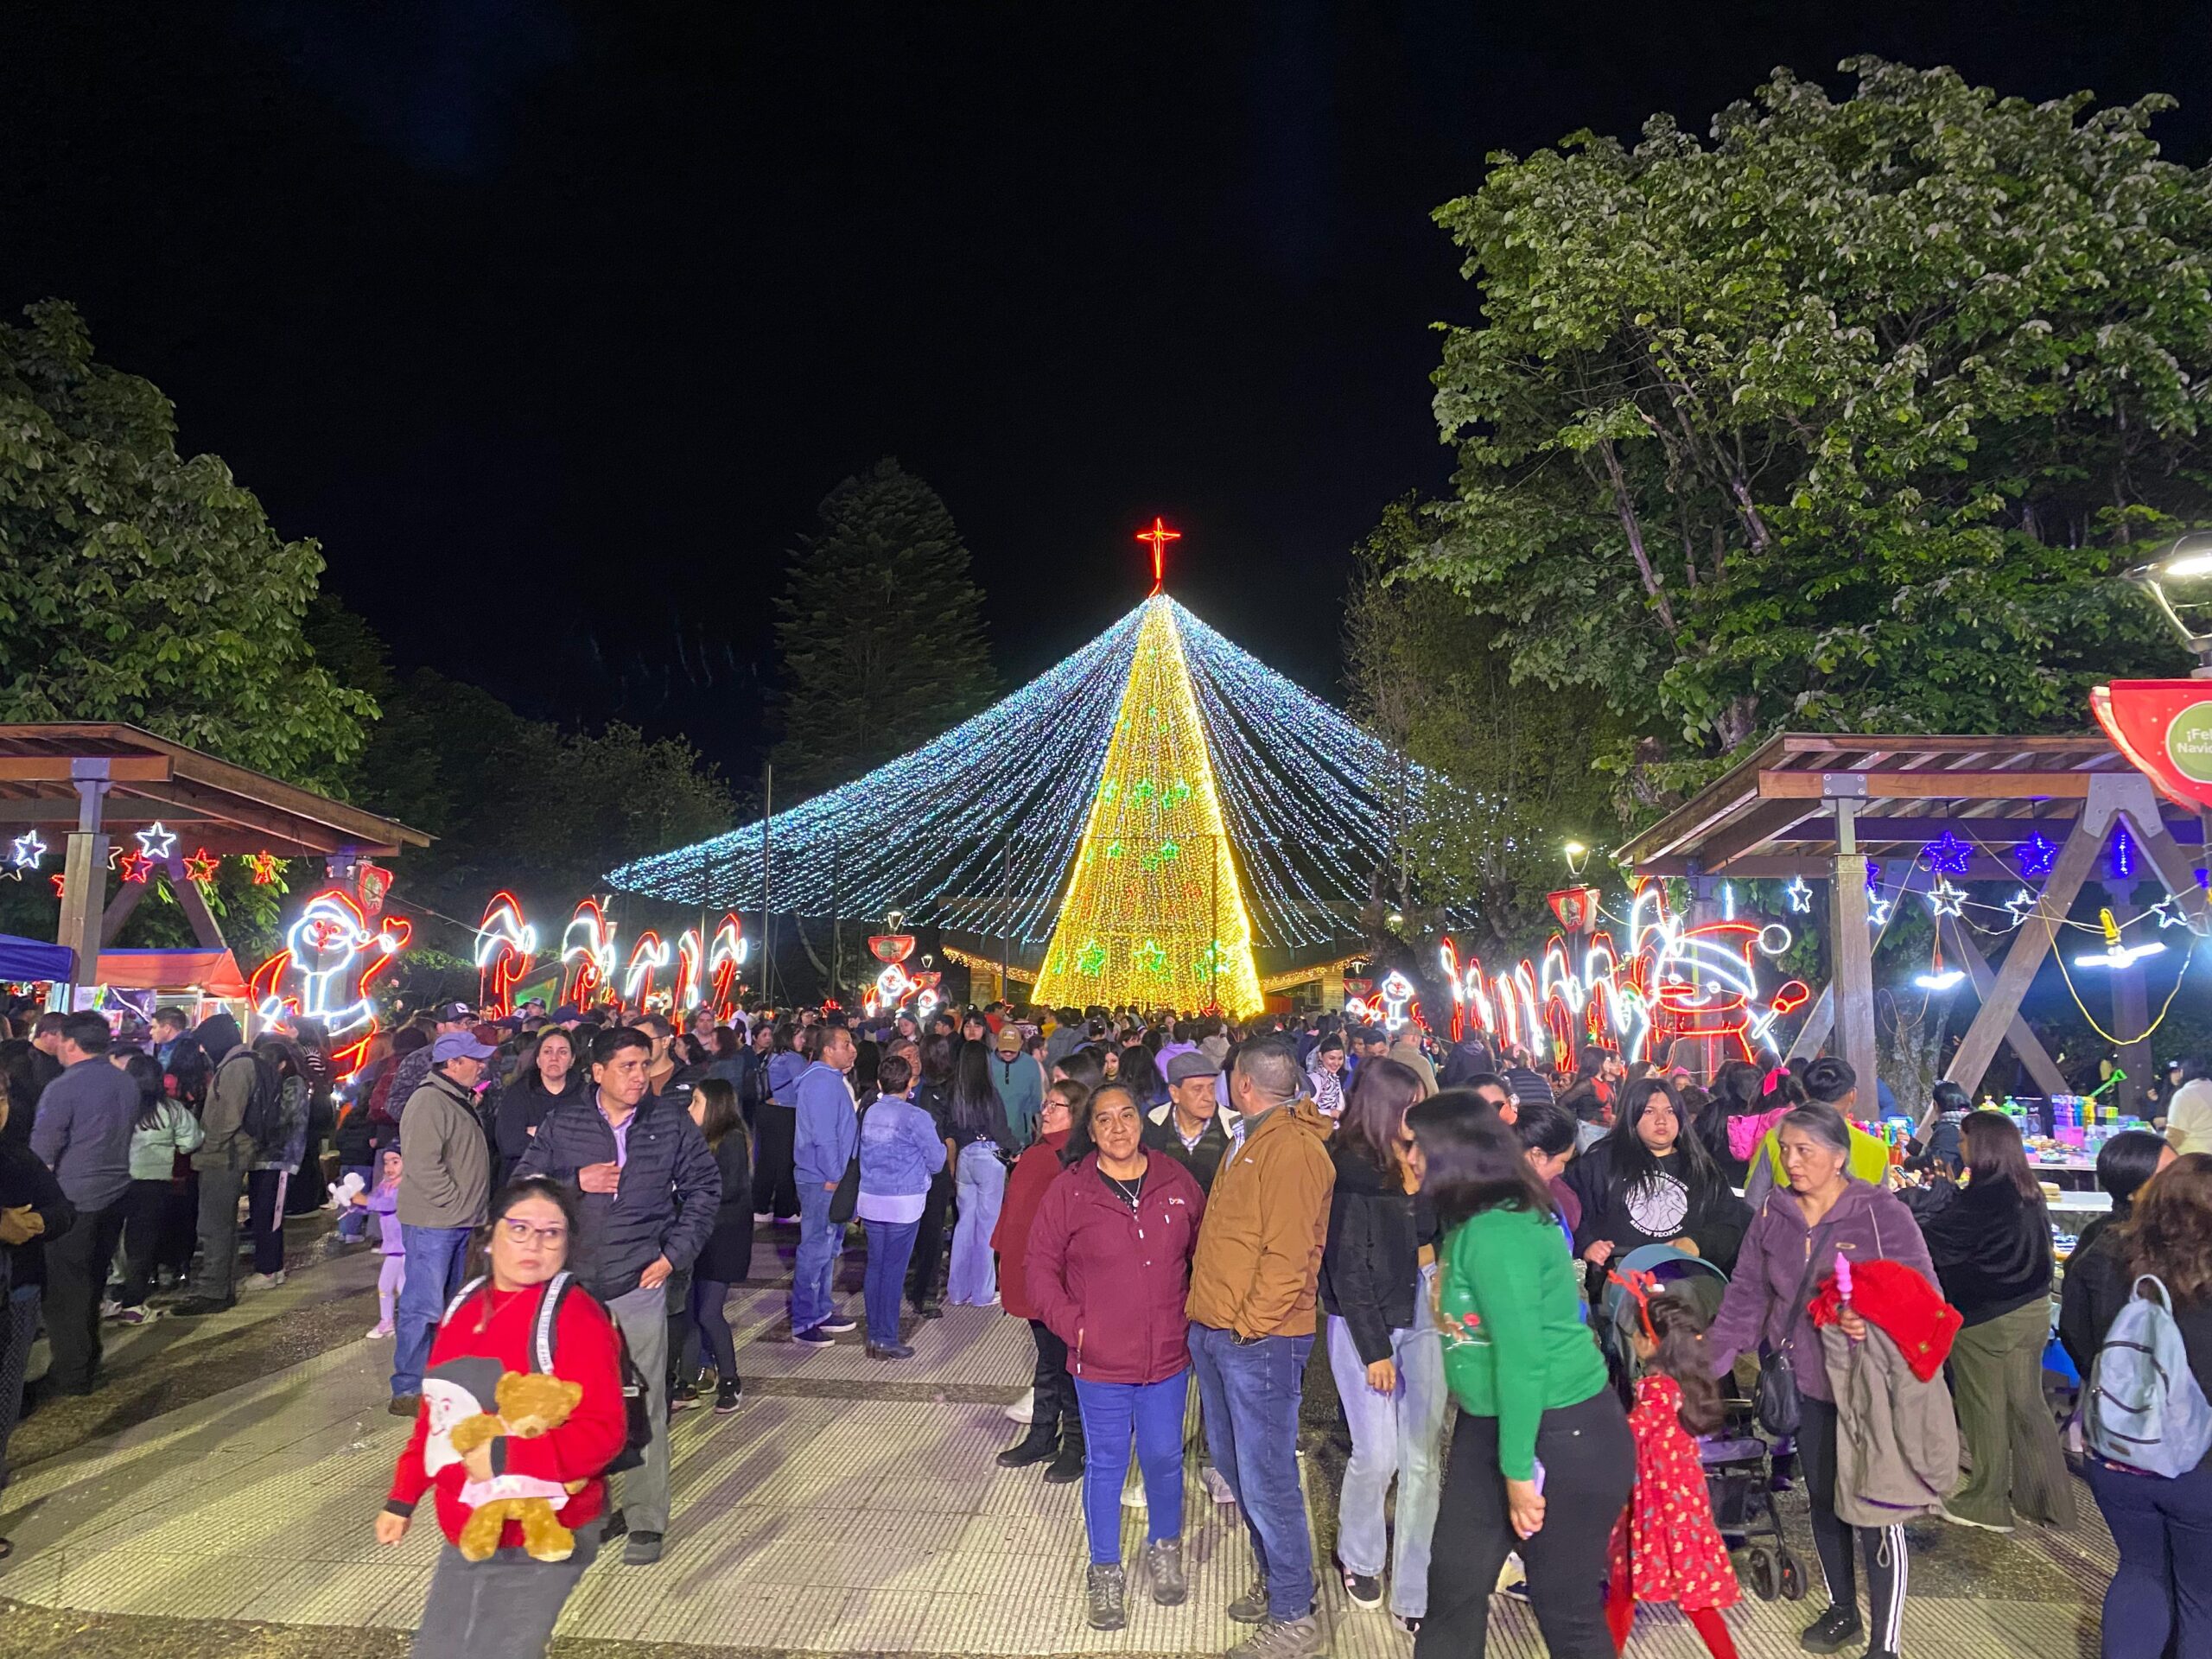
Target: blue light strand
(997,806)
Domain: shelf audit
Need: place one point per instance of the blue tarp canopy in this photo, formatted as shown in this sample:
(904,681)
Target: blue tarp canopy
(28,959)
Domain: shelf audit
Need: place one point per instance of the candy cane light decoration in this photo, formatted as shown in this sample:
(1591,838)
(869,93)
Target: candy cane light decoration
(506,946)
(588,955)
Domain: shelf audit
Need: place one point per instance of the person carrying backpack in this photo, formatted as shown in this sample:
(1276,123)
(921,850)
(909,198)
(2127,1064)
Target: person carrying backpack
(2146,1421)
(244,1096)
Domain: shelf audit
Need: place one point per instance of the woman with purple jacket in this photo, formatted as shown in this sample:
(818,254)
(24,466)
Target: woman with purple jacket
(1109,1272)
(1790,1247)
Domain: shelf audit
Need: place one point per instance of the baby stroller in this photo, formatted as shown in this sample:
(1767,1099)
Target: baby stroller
(1739,1467)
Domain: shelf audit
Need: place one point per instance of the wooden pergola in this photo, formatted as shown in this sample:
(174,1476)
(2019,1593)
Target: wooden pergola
(1818,806)
(90,783)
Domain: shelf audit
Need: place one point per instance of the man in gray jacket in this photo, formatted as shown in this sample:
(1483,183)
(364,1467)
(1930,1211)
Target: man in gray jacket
(82,1133)
(445,1187)
(226,1152)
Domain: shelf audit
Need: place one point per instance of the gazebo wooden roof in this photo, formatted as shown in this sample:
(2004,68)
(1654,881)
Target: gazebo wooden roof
(228,809)
(84,781)
(1772,814)
(1816,804)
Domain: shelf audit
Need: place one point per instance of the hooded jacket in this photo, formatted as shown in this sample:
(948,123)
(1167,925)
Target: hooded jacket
(1259,1258)
(1897,1436)
(226,1144)
(1371,1267)
(1867,1223)
(1033,1172)
(1992,1248)
(1109,1282)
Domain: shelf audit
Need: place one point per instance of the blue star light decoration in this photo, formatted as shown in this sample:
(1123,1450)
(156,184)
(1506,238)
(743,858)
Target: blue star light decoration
(155,842)
(1800,893)
(1944,900)
(1948,856)
(2036,856)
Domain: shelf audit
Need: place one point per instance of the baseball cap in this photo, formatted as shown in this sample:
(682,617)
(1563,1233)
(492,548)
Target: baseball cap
(447,1013)
(1009,1039)
(459,1045)
(567,1011)
(1192,1063)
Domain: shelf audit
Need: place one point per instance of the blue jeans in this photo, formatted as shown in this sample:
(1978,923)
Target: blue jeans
(1400,1433)
(1111,1412)
(980,1185)
(436,1258)
(1248,1395)
(890,1247)
(820,1242)
(353,1219)
(2161,1598)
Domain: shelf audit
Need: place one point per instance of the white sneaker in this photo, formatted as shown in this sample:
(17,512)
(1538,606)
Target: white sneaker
(1021,1409)
(266,1280)
(1132,1496)
(377,1331)
(110,1307)
(1217,1485)
(762,1218)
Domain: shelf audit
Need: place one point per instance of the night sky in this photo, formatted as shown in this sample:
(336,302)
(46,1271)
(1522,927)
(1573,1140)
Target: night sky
(553,321)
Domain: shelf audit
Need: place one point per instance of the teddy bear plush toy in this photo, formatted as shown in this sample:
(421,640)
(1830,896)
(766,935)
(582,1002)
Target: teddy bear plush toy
(521,1405)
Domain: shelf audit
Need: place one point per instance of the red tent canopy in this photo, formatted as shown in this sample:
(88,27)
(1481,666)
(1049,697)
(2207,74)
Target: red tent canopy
(215,972)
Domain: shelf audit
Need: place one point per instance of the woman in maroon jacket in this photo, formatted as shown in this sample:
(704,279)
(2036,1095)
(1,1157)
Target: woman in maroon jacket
(503,1607)
(1055,1425)
(1108,1271)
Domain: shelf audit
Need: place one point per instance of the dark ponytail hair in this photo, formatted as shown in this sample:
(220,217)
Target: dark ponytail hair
(1677,1326)
(153,1089)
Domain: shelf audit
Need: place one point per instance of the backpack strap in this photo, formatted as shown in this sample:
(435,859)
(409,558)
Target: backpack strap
(462,1295)
(549,1314)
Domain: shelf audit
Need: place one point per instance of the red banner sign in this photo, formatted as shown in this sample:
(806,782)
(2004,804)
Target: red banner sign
(2164,728)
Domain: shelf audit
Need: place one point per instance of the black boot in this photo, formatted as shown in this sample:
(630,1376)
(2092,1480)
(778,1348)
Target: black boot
(1068,1467)
(1039,1445)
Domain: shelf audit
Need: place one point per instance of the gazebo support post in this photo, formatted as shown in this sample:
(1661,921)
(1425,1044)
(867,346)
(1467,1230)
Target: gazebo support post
(83,874)
(1851,950)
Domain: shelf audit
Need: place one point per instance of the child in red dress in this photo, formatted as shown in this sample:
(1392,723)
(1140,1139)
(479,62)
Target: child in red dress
(1666,1547)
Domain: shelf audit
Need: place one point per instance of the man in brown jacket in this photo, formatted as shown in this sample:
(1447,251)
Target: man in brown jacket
(1253,1289)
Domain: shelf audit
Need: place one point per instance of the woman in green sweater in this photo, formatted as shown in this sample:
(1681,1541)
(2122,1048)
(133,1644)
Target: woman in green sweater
(1541,1459)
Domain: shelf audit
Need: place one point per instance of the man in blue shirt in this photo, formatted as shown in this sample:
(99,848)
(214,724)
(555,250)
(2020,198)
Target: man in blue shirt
(824,1140)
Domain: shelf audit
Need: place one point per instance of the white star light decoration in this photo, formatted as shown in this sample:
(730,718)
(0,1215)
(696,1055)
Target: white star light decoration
(1944,900)
(157,842)
(1800,893)
(28,849)
(1877,911)
(2018,906)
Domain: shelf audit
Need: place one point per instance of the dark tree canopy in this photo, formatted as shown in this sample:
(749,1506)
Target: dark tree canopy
(138,585)
(880,630)
(1845,419)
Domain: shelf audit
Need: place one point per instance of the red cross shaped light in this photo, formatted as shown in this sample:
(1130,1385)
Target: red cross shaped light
(1159,536)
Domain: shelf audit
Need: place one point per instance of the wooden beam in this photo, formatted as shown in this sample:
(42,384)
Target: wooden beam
(204,928)
(55,768)
(2000,1004)
(1851,950)
(1766,821)
(2024,1043)
(1936,786)
(1814,1031)
(127,895)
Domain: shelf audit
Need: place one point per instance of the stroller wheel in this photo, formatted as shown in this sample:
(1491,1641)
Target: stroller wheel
(1765,1573)
(1793,1578)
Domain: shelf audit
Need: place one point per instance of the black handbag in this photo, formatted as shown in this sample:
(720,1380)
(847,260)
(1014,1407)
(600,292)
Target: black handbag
(847,1197)
(1779,1411)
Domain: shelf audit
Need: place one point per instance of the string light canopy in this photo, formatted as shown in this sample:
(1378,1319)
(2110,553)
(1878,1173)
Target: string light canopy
(1151,809)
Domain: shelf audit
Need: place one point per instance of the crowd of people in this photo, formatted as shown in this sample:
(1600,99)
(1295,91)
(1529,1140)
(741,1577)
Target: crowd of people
(1177,1209)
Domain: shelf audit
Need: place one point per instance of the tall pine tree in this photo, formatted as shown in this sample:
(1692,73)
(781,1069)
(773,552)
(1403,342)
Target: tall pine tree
(880,633)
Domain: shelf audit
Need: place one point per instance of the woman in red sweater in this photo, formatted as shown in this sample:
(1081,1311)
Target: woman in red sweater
(504,1607)
(1110,1272)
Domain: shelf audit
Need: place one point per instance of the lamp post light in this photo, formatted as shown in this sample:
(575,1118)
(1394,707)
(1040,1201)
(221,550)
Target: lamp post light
(2185,569)
(1577,856)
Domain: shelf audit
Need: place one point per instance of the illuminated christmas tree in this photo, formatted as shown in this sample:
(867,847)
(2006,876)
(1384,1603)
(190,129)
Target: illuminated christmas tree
(1144,817)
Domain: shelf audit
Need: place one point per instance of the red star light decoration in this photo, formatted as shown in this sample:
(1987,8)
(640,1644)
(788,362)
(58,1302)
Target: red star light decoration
(133,866)
(1159,536)
(201,867)
(263,865)
(57,885)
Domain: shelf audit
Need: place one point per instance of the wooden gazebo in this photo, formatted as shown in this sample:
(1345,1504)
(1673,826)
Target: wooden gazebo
(85,785)
(1816,806)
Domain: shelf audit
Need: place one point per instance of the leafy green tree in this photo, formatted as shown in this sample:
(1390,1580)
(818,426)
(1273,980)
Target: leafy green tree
(514,803)
(880,632)
(1844,420)
(1509,767)
(137,585)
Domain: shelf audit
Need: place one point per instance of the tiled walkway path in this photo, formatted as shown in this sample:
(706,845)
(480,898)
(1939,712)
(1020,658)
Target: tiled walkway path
(826,1516)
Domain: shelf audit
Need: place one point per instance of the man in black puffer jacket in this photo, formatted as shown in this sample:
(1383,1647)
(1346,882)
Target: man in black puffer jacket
(650,1189)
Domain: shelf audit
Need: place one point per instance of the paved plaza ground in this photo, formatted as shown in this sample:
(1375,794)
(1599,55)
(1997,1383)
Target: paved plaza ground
(217,1499)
